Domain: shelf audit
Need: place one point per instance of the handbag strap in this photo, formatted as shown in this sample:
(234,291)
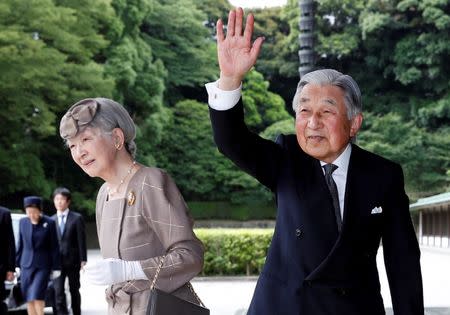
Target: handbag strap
(189,285)
(157,272)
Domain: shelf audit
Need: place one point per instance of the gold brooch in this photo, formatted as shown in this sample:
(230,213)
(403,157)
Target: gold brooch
(131,198)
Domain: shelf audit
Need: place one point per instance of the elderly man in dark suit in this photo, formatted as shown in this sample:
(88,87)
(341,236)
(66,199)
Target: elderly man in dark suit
(7,253)
(72,244)
(335,201)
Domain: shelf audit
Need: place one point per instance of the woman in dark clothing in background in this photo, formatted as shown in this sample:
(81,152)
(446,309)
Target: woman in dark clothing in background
(37,254)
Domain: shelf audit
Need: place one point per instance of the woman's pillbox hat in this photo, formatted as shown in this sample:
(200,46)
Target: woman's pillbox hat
(32,201)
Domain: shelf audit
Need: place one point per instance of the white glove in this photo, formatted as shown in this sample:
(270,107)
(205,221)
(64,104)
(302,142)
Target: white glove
(112,270)
(55,274)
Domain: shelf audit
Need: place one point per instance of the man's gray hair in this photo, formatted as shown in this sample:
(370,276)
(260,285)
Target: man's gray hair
(352,94)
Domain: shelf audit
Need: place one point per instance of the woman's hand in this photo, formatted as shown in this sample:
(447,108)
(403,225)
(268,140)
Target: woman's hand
(236,53)
(112,270)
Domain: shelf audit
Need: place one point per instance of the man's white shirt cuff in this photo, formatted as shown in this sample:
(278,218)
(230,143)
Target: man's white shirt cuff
(222,100)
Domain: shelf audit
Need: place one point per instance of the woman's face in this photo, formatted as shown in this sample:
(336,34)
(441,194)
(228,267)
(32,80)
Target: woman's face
(93,151)
(34,214)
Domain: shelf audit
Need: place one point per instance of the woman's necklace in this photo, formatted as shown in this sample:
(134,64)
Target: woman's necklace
(112,192)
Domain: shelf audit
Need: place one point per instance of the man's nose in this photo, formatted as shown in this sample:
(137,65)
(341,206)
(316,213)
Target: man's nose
(315,121)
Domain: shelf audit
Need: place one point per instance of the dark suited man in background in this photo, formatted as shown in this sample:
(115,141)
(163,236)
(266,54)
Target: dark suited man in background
(72,244)
(7,254)
(335,201)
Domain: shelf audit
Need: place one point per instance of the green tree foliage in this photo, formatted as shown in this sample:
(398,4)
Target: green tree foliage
(436,115)
(46,63)
(278,60)
(188,153)
(214,10)
(424,156)
(285,127)
(411,38)
(187,150)
(262,107)
(139,77)
(175,31)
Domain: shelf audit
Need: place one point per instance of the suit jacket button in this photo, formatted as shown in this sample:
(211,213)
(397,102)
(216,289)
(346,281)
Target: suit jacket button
(341,291)
(298,232)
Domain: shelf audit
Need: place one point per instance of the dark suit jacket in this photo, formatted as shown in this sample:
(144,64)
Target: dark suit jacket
(72,243)
(43,253)
(7,247)
(311,269)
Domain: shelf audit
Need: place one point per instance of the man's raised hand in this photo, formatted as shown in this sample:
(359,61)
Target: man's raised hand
(236,52)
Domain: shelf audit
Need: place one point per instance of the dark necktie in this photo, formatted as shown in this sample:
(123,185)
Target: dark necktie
(329,169)
(62,224)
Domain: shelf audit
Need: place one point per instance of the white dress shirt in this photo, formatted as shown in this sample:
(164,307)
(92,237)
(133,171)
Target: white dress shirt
(340,174)
(223,100)
(62,215)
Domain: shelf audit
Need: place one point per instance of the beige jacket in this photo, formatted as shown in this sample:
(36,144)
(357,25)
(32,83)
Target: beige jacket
(153,219)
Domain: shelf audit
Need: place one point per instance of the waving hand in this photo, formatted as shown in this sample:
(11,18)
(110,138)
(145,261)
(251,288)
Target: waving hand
(236,52)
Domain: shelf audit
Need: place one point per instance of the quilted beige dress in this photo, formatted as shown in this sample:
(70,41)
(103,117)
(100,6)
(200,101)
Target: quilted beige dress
(153,219)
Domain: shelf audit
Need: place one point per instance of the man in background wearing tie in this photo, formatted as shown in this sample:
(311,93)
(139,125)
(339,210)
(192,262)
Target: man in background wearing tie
(7,254)
(335,201)
(72,244)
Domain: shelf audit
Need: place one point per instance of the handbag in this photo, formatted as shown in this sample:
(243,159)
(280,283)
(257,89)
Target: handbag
(163,303)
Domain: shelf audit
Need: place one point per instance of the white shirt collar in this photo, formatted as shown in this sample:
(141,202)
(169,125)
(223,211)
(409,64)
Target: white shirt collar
(65,213)
(342,161)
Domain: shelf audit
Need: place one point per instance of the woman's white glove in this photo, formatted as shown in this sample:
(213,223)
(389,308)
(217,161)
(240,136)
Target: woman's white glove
(112,270)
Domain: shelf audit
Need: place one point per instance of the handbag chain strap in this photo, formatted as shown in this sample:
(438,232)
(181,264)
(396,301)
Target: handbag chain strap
(157,272)
(189,285)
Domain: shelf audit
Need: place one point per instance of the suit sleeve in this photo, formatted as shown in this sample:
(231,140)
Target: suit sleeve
(167,215)
(401,251)
(7,247)
(11,262)
(81,238)
(20,243)
(257,156)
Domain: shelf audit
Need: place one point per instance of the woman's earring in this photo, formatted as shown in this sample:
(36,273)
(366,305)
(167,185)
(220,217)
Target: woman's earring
(118,146)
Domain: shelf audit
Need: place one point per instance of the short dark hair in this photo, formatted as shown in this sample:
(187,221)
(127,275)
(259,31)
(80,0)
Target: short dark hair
(62,191)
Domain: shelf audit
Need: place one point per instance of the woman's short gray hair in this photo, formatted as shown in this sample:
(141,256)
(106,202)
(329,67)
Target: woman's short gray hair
(352,94)
(101,113)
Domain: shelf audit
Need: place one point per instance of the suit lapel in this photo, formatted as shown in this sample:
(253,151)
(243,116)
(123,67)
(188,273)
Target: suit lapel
(58,232)
(29,228)
(355,182)
(313,191)
(68,222)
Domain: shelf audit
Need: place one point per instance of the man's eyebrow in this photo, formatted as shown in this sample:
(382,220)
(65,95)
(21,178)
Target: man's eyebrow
(304,99)
(330,101)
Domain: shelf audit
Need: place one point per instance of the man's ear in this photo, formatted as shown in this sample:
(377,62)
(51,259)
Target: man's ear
(356,123)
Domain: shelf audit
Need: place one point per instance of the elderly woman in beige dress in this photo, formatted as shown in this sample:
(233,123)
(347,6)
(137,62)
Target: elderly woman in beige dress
(140,213)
